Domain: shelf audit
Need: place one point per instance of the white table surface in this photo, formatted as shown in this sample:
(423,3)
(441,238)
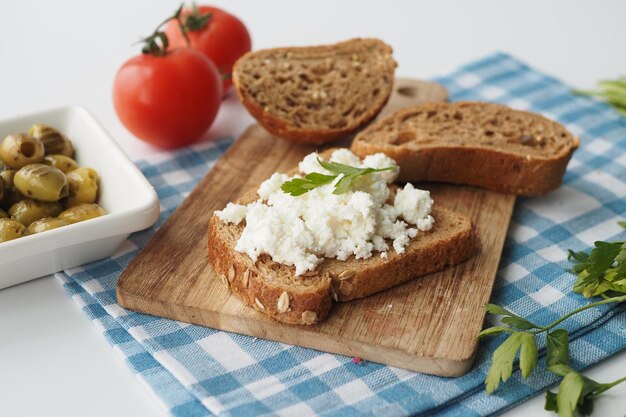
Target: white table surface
(53,361)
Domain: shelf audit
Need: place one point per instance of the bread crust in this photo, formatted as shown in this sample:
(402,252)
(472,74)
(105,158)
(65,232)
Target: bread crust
(336,280)
(487,167)
(284,128)
(484,168)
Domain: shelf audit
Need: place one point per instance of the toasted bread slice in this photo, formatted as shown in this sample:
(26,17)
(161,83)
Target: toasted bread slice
(482,144)
(273,289)
(316,94)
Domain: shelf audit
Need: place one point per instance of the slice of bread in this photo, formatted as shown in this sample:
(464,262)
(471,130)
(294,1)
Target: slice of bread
(273,289)
(316,94)
(482,144)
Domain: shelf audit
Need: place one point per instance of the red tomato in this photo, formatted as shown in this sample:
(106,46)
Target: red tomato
(168,101)
(223,38)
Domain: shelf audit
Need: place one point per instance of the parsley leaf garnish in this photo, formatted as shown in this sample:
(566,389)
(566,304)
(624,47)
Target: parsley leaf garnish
(299,186)
(504,356)
(576,394)
(510,318)
(557,349)
(601,272)
(503,359)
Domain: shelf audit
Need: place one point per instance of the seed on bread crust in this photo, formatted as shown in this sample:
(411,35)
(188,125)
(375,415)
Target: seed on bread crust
(283,302)
(224,280)
(259,304)
(346,287)
(309,317)
(231,273)
(333,293)
(246,278)
(312,273)
(346,275)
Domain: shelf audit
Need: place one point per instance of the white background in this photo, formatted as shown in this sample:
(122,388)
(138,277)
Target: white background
(53,362)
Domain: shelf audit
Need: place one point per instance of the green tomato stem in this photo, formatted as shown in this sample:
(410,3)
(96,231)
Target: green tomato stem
(152,46)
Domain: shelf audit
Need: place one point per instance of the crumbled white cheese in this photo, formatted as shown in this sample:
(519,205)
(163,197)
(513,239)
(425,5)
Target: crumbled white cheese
(380,161)
(309,164)
(301,231)
(232,213)
(272,185)
(415,206)
(344,156)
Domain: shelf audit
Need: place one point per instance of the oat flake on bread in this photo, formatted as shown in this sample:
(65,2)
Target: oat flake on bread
(301,231)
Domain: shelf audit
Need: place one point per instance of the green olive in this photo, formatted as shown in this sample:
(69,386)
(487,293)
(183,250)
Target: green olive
(11,195)
(41,182)
(11,229)
(81,213)
(46,224)
(28,211)
(19,149)
(53,141)
(7,175)
(3,214)
(62,162)
(83,184)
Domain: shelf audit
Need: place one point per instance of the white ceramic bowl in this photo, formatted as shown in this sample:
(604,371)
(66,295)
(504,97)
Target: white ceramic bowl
(128,198)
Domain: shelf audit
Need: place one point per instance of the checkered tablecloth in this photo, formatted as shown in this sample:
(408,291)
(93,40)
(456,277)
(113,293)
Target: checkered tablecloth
(196,371)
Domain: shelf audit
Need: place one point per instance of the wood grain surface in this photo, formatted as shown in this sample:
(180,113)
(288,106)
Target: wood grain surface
(427,325)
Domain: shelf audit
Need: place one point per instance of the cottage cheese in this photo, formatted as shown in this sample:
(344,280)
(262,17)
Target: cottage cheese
(301,231)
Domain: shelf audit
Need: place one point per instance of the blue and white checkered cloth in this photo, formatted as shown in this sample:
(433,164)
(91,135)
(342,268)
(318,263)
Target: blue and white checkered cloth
(196,371)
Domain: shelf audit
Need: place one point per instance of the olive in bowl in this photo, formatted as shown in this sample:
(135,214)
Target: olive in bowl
(28,211)
(45,224)
(83,187)
(10,230)
(41,182)
(18,150)
(62,162)
(54,142)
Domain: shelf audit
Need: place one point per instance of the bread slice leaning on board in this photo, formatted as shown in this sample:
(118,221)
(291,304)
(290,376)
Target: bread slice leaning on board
(316,94)
(273,288)
(482,144)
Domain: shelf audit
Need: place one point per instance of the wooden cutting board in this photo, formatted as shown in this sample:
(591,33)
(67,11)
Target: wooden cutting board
(427,325)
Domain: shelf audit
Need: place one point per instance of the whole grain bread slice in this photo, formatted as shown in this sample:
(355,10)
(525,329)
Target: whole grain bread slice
(273,288)
(316,94)
(482,144)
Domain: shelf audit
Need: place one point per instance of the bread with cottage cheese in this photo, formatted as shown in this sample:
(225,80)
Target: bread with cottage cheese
(274,289)
(316,94)
(482,144)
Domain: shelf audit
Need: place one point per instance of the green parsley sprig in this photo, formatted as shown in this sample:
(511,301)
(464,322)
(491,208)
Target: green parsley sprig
(602,272)
(299,186)
(576,393)
(611,91)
